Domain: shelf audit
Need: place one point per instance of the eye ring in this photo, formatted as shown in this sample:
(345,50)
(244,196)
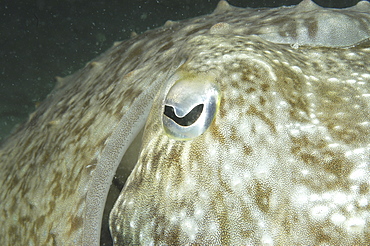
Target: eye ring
(190,106)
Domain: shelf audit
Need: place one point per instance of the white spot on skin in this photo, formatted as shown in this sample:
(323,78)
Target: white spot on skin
(190,227)
(363,202)
(314,78)
(204,195)
(354,188)
(337,218)
(236,183)
(283,104)
(359,151)
(226,167)
(132,224)
(173,219)
(319,212)
(352,54)
(182,214)
(304,172)
(198,213)
(340,198)
(213,227)
(262,170)
(158,175)
(355,224)
(246,176)
(300,197)
(357,174)
(189,182)
(294,132)
(236,76)
(333,145)
(139,168)
(295,45)
(333,80)
(130,203)
(234,93)
(350,208)
(308,128)
(213,151)
(297,69)
(267,240)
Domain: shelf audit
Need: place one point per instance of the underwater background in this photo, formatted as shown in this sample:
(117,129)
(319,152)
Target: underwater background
(42,39)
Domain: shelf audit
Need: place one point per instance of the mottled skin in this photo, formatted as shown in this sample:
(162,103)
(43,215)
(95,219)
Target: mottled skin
(285,161)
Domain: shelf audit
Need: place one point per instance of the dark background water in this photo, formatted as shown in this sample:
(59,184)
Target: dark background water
(41,39)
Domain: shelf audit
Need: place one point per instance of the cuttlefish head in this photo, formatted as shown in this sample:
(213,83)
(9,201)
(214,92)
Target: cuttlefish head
(222,158)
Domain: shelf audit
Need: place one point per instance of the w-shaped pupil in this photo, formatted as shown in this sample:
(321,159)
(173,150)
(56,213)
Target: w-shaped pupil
(188,119)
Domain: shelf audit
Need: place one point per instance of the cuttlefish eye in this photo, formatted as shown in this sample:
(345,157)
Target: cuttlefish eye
(190,107)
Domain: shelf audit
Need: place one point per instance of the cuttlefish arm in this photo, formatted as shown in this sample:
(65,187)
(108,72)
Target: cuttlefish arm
(55,168)
(124,134)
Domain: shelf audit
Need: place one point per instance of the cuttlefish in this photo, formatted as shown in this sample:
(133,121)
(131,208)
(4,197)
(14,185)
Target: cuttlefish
(242,127)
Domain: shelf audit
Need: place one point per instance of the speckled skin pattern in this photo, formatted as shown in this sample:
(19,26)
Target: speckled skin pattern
(285,161)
